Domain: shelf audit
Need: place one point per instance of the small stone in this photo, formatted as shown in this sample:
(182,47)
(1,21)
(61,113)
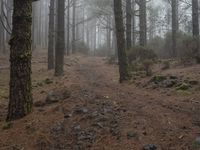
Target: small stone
(39,104)
(183,86)
(193,82)
(81,111)
(42,92)
(68,116)
(197,140)
(51,98)
(173,77)
(144,133)
(99,125)
(48,81)
(131,135)
(107,97)
(77,127)
(169,83)
(149,147)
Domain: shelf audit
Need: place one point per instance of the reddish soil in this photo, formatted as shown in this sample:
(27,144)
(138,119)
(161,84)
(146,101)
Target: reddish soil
(100,113)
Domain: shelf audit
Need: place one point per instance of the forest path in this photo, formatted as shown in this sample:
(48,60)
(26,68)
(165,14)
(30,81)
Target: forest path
(100,113)
(146,116)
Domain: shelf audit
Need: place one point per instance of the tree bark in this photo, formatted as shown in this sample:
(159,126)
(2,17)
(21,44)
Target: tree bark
(74,28)
(133,23)
(123,65)
(128,24)
(60,38)
(9,18)
(174,27)
(51,36)
(20,103)
(195,23)
(3,37)
(68,28)
(143,22)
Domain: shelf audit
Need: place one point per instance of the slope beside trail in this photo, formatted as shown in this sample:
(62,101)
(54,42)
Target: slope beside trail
(91,110)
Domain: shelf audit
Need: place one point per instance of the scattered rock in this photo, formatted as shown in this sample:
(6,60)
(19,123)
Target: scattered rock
(86,123)
(169,83)
(42,92)
(77,128)
(81,111)
(39,104)
(98,125)
(86,135)
(58,129)
(57,95)
(173,77)
(68,116)
(51,98)
(39,84)
(197,140)
(131,135)
(157,79)
(164,81)
(183,86)
(144,133)
(193,82)
(42,143)
(16,147)
(149,147)
(48,81)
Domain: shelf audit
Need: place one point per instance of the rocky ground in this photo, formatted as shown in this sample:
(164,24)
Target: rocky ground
(88,109)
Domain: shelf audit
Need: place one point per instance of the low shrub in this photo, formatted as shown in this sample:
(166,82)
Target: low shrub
(140,54)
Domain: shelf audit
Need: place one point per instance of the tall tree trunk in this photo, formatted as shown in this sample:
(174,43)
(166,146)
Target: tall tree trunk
(9,18)
(74,28)
(34,26)
(3,32)
(51,35)
(68,27)
(95,34)
(133,22)
(143,23)
(60,38)
(83,25)
(174,27)
(123,65)
(128,24)
(20,103)
(195,23)
(108,35)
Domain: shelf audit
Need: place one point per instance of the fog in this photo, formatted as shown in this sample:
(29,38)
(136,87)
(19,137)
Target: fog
(99,75)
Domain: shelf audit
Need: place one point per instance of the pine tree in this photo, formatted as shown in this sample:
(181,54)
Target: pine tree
(121,45)
(60,38)
(20,103)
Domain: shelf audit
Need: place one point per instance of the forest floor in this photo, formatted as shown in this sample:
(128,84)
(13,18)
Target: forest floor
(88,109)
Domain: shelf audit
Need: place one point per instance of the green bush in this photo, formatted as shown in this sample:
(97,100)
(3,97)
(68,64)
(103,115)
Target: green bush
(186,46)
(139,54)
(157,44)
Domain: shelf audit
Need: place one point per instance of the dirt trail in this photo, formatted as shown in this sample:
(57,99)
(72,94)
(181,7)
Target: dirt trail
(166,121)
(101,114)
